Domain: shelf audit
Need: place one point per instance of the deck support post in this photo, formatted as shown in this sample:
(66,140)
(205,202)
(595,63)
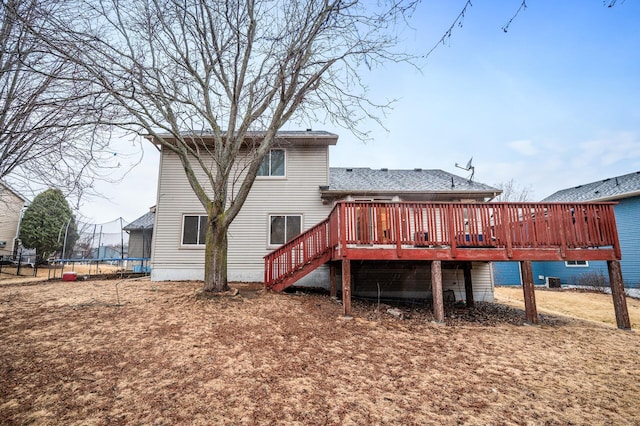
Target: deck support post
(436,290)
(346,287)
(617,293)
(529,292)
(468,286)
(333,288)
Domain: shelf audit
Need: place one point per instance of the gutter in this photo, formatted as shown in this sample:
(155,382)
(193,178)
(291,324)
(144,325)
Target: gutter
(618,197)
(326,193)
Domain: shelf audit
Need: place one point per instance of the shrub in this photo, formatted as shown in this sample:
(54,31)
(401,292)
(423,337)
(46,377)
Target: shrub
(593,280)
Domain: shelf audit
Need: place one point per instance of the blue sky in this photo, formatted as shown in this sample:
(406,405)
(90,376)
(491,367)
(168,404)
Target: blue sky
(552,103)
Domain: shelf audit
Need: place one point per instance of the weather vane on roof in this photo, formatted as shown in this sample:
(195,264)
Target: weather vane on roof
(468,167)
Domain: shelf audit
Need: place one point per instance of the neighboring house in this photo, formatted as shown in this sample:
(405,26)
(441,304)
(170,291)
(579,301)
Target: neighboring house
(141,234)
(625,191)
(295,190)
(140,238)
(11,204)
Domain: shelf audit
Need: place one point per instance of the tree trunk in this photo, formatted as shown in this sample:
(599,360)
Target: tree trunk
(215,258)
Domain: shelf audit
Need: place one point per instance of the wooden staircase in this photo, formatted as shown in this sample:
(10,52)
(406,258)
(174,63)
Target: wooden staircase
(297,258)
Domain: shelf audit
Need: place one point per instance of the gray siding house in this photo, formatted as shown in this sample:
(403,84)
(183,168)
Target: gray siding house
(297,190)
(140,238)
(11,204)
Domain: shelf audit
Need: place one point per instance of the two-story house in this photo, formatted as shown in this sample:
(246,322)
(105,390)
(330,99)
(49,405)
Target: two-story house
(380,233)
(295,190)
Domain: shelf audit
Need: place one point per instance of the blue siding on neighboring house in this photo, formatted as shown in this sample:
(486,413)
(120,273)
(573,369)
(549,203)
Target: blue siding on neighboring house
(628,224)
(506,273)
(538,271)
(570,274)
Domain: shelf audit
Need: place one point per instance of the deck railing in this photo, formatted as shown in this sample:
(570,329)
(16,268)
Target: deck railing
(452,225)
(480,225)
(310,245)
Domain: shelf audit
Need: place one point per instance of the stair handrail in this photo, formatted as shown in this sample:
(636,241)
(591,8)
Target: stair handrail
(291,256)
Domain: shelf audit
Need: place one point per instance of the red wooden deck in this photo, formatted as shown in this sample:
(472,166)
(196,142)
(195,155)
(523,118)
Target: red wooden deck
(448,232)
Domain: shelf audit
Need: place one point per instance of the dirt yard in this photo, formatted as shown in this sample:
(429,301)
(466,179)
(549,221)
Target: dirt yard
(136,352)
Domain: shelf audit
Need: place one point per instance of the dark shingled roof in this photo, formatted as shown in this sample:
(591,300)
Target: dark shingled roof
(143,222)
(613,188)
(417,180)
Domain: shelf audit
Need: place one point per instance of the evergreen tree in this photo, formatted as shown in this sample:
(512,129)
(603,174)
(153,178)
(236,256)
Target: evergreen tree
(44,225)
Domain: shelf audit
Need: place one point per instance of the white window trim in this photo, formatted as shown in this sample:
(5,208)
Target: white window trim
(269,216)
(271,177)
(190,246)
(586,264)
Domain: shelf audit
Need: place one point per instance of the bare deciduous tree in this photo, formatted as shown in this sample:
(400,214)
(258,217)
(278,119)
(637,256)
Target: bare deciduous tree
(201,77)
(48,116)
(513,192)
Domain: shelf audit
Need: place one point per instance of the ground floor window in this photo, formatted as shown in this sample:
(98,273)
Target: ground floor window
(194,229)
(576,263)
(283,228)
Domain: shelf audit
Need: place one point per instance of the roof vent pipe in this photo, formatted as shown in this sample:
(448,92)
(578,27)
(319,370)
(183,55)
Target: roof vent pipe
(384,170)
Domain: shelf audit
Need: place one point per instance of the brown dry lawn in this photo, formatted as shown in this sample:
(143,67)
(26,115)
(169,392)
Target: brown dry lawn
(136,352)
(592,306)
(8,273)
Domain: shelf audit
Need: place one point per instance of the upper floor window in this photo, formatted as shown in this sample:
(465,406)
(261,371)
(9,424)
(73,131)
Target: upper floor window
(273,163)
(284,228)
(194,228)
(576,263)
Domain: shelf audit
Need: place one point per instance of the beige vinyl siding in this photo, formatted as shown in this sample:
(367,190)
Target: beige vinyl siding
(140,242)
(481,277)
(10,208)
(296,193)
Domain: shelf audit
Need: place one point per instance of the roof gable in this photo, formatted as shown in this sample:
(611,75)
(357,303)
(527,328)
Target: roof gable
(143,222)
(614,188)
(4,186)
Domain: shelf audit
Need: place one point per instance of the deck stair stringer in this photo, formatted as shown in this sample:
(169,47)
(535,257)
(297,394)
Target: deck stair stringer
(300,272)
